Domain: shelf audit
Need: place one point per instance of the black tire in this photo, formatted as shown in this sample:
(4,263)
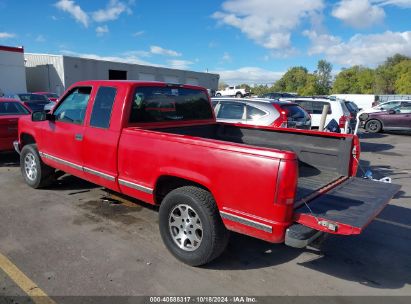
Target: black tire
(373,126)
(43,176)
(238,95)
(214,235)
(218,95)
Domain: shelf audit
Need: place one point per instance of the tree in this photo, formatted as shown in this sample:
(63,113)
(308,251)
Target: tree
(403,82)
(292,81)
(355,80)
(323,75)
(222,85)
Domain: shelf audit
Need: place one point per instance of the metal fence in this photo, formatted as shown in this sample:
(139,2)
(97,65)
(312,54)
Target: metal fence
(383,98)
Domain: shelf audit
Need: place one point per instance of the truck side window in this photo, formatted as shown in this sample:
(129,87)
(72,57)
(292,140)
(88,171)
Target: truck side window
(73,108)
(102,108)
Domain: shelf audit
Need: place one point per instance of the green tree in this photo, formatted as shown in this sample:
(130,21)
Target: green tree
(403,81)
(222,85)
(323,77)
(292,81)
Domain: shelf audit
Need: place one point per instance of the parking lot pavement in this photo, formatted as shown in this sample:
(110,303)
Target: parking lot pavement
(71,240)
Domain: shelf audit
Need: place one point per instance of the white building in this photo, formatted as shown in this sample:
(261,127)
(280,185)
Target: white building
(55,73)
(12,71)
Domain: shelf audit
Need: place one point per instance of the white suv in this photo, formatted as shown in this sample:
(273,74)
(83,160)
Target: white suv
(337,111)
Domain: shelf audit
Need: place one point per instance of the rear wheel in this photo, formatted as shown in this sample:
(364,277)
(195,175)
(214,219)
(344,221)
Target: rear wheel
(191,226)
(238,95)
(36,173)
(373,126)
(218,94)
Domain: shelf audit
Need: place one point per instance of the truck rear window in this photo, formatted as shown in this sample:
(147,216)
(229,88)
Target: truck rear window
(157,104)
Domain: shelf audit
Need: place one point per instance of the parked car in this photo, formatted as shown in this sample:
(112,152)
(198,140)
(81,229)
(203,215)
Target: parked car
(261,112)
(384,106)
(277,95)
(10,111)
(232,92)
(397,118)
(206,177)
(337,111)
(35,102)
(51,96)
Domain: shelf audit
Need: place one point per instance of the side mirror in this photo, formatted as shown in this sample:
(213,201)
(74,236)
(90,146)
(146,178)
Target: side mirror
(38,116)
(41,116)
(391,112)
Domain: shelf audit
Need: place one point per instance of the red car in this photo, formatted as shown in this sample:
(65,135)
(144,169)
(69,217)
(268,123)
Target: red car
(51,96)
(279,185)
(10,111)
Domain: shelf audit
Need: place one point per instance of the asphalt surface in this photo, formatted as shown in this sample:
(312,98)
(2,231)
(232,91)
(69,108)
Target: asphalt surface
(71,240)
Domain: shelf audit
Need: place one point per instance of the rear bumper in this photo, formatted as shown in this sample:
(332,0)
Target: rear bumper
(299,236)
(16,146)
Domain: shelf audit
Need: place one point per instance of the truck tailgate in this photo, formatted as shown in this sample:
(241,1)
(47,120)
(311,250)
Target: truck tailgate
(347,208)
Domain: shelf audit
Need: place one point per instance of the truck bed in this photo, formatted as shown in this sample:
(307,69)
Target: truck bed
(322,160)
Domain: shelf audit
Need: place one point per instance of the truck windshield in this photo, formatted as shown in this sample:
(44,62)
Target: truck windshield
(157,104)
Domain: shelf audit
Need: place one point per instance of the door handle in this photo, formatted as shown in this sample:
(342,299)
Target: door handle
(79,137)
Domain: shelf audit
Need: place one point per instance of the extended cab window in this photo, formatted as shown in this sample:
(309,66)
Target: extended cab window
(73,108)
(158,104)
(103,105)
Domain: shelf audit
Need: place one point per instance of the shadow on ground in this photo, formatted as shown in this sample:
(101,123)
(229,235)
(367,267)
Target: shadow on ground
(383,263)
(9,159)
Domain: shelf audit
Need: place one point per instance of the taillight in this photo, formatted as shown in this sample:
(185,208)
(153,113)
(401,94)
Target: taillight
(284,118)
(342,121)
(286,182)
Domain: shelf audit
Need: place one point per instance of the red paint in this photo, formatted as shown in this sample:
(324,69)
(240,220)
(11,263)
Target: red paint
(8,127)
(255,183)
(11,49)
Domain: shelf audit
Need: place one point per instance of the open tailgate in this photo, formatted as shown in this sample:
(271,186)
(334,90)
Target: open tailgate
(348,208)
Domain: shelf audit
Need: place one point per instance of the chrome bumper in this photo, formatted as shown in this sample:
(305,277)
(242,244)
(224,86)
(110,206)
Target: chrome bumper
(16,146)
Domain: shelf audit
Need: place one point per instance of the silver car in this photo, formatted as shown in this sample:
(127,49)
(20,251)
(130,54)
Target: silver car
(261,112)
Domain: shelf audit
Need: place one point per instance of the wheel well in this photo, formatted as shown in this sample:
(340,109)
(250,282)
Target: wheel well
(26,139)
(166,184)
(239,93)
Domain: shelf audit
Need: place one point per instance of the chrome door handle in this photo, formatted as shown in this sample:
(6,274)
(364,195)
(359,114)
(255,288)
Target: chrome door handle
(79,137)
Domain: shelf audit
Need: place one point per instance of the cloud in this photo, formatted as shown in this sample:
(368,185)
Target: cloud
(368,50)
(102,30)
(113,10)
(400,3)
(179,64)
(358,13)
(227,57)
(157,50)
(40,38)
(250,75)
(269,23)
(137,34)
(74,10)
(5,35)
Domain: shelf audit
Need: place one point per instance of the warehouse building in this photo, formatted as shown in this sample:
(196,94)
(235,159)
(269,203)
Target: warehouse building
(12,71)
(55,73)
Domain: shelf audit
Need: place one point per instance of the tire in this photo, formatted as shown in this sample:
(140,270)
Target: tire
(36,173)
(238,95)
(209,237)
(218,95)
(373,126)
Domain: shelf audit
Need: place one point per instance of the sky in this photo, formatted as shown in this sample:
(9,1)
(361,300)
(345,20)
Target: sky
(245,41)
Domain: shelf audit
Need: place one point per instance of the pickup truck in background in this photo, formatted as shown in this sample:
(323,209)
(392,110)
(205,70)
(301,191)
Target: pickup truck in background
(233,92)
(160,143)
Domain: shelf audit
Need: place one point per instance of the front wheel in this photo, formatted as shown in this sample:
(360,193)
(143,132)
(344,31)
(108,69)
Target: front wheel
(373,126)
(218,95)
(191,226)
(238,95)
(35,172)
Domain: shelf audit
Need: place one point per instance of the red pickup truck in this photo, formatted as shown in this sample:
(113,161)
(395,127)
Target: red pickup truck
(279,185)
